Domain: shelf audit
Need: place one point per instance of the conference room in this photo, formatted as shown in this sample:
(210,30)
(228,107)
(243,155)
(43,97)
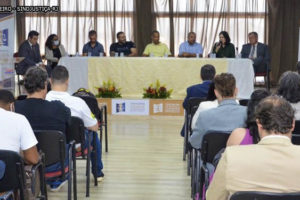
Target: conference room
(152,99)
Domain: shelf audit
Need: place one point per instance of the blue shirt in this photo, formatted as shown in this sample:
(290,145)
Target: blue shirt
(98,48)
(228,116)
(195,48)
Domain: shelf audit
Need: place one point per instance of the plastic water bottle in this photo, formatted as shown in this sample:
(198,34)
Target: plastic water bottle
(197,55)
(237,52)
(77,54)
(116,54)
(122,54)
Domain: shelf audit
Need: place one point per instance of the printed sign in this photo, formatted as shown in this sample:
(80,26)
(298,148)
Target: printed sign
(130,107)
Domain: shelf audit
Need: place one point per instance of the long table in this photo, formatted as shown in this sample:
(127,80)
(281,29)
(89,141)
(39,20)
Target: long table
(134,74)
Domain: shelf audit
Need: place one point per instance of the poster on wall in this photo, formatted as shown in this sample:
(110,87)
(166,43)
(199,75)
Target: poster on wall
(7,32)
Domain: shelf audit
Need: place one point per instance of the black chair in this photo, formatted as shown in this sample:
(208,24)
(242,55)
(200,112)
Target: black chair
(100,114)
(264,196)
(14,176)
(76,132)
(244,102)
(193,104)
(296,133)
(212,143)
(53,145)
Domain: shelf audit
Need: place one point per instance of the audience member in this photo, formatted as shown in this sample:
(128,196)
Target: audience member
(228,116)
(257,52)
(190,48)
(15,130)
(264,166)
(249,134)
(42,114)
(30,50)
(78,107)
(289,88)
(207,73)
(223,48)
(128,48)
(156,48)
(54,50)
(93,47)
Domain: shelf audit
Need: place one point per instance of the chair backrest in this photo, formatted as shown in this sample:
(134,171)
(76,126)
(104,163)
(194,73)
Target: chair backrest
(264,196)
(14,176)
(244,102)
(193,104)
(53,145)
(296,133)
(92,104)
(212,143)
(75,130)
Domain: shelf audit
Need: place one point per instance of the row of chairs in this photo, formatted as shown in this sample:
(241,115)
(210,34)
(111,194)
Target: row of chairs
(198,160)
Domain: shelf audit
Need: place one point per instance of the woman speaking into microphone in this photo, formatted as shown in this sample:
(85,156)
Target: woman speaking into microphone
(223,48)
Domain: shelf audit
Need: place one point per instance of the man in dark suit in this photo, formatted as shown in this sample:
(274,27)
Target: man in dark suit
(207,74)
(257,52)
(31,51)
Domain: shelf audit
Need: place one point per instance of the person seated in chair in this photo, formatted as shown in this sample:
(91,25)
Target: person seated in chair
(249,134)
(207,74)
(15,130)
(228,116)
(42,114)
(78,107)
(30,50)
(257,52)
(272,165)
(16,133)
(289,88)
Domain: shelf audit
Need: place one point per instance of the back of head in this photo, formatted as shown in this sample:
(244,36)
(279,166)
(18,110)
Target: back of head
(256,97)
(59,75)
(6,98)
(289,86)
(208,72)
(35,80)
(225,84)
(275,115)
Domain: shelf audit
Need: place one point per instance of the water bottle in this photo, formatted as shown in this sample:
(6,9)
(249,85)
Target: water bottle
(101,54)
(237,52)
(151,55)
(116,54)
(197,55)
(77,54)
(89,54)
(122,54)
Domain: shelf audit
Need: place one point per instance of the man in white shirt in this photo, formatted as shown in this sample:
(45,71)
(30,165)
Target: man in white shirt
(15,131)
(78,107)
(272,165)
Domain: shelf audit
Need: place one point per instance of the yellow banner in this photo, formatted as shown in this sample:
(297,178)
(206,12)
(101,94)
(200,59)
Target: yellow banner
(134,74)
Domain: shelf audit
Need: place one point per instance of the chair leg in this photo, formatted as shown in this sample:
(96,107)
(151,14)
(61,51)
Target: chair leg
(74,174)
(95,159)
(189,163)
(88,167)
(70,177)
(42,179)
(105,128)
(198,188)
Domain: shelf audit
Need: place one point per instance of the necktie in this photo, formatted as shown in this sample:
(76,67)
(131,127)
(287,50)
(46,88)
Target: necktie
(252,51)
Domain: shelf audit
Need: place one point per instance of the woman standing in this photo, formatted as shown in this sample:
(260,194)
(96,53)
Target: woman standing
(223,48)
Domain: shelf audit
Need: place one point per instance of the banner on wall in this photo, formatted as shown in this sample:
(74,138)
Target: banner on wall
(7,32)
(130,107)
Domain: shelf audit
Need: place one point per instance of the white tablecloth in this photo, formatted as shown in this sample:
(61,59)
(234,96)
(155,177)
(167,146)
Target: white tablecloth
(242,69)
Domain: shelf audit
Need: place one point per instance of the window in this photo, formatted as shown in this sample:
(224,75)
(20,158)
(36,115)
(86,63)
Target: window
(207,18)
